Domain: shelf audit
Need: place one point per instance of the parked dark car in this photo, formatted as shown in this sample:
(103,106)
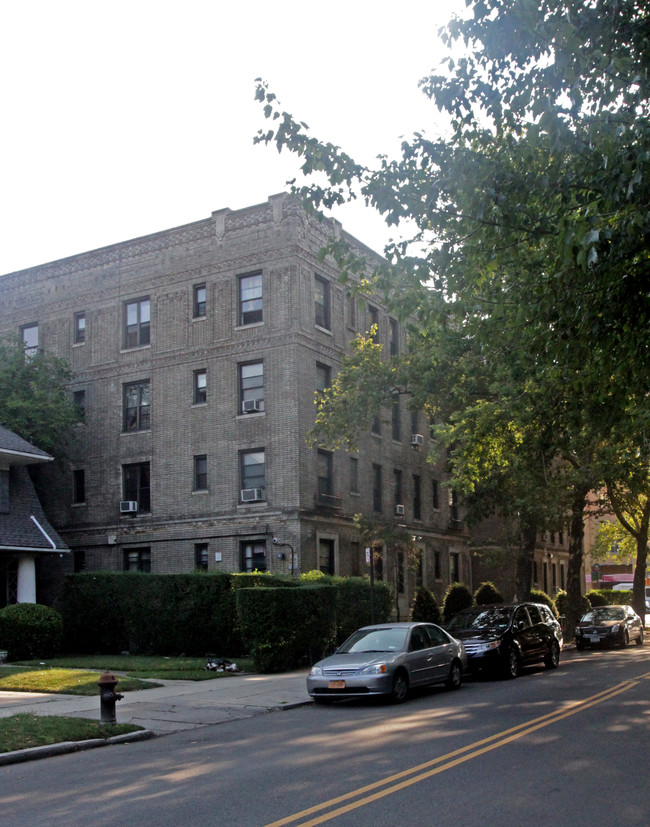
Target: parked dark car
(503,638)
(609,626)
(388,659)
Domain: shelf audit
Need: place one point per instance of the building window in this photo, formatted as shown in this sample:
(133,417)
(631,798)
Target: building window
(375,425)
(397,487)
(251,387)
(137,319)
(29,337)
(201,556)
(394,337)
(253,556)
(435,495)
(323,377)
(79,328)
(201,472)
(354,475)
(325,473)
(326,555)
(250,299)
(437,565)
(200,387)
(79,402)
(137,406)
(396,419)
(136,484)
(137,559)
(79,561)
(322,302)
(377,494)
(199,298)
(373,315)
(352,311)
(453,506)
(417,497)
(399,563)
(415,422)
(78,486)
(253,475)
(454,567)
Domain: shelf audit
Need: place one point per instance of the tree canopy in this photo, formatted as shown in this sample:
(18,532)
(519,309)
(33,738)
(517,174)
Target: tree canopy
(528,266)
(35,400)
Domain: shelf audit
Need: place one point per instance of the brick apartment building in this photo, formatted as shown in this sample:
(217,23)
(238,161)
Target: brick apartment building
(196,354)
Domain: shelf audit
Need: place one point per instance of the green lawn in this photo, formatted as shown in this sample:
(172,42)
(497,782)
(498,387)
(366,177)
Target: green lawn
(78,675)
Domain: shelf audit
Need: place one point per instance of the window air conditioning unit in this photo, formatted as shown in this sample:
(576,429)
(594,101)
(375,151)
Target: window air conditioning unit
(417,439)
(128,507)
(399,510)
(251,495)
(251,405)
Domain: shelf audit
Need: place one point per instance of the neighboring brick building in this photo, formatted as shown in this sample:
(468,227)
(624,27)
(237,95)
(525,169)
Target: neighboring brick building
(196,353)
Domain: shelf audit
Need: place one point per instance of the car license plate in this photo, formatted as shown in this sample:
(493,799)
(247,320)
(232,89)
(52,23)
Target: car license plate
(593,638)
(337,684)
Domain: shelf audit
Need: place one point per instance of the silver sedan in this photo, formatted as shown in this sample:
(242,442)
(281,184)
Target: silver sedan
(388,659)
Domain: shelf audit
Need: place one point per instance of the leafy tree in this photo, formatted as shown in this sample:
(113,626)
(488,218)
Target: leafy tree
(35,400)
(528,266)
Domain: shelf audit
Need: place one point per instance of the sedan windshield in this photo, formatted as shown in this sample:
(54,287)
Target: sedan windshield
(375,640)
(492,618)
(603,613)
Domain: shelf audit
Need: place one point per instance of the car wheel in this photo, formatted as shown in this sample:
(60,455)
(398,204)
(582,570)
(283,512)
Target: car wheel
(400,688)
(455,676)
(639,640)
(512,663)
(553,659)
(625,639)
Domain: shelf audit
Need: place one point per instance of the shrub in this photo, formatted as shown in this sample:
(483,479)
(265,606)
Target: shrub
(30,630)
(538,596)
(458,597)
(487,593)
(287,628)
(596,598)
(425,609)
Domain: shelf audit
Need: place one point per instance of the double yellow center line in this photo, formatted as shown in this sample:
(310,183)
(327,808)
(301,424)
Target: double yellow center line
(406,778)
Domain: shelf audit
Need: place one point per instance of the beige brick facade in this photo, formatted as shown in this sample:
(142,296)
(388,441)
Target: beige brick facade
(92,297)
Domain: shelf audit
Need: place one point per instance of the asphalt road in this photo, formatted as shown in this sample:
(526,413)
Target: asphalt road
(563,747)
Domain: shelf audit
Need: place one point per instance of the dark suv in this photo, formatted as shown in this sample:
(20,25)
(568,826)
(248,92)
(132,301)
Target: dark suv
(504,637)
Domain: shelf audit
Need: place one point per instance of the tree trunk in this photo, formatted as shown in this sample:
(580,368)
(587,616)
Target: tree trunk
(525,557)
(574,570)
(638,587)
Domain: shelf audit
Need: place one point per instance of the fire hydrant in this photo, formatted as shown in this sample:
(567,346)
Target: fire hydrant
(108,696)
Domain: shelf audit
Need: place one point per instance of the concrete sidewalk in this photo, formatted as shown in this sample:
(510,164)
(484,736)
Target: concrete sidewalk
(175,706)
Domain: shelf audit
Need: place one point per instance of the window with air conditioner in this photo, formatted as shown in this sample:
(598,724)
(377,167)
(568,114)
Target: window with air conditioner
(253,475)
(251,387)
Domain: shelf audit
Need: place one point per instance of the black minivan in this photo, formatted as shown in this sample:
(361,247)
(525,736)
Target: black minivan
(504,637)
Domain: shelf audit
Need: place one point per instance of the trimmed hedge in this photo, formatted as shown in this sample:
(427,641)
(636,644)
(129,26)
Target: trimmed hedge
(487,593)
(194,614)
(425,609)
(287,628)
(150,613)
(539,596)
(30,630)
(457,598)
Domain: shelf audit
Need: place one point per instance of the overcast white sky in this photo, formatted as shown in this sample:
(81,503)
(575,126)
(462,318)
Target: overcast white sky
(124,118)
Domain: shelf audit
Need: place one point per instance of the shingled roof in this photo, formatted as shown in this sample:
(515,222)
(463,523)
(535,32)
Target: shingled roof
(23,524)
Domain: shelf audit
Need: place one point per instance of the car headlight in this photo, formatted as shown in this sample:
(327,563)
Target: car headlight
(615,629)
(486,647)
(374,669)
(578,630)
(316,671)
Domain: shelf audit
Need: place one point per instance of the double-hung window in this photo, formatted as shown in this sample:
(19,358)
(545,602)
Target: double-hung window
(200,387)
(136,484)
(79,328)
(322,303)
(137,406)
(253,475)
(325,473)
(137,321)
(250,299)
(201,472)
(199,300)
(251,387)
(253,555)
(29,336)
(377,489)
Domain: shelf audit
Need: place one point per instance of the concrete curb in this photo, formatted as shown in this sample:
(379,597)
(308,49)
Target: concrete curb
(48,750)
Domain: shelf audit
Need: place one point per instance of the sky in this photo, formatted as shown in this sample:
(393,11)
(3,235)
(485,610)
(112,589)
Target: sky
(126,118)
